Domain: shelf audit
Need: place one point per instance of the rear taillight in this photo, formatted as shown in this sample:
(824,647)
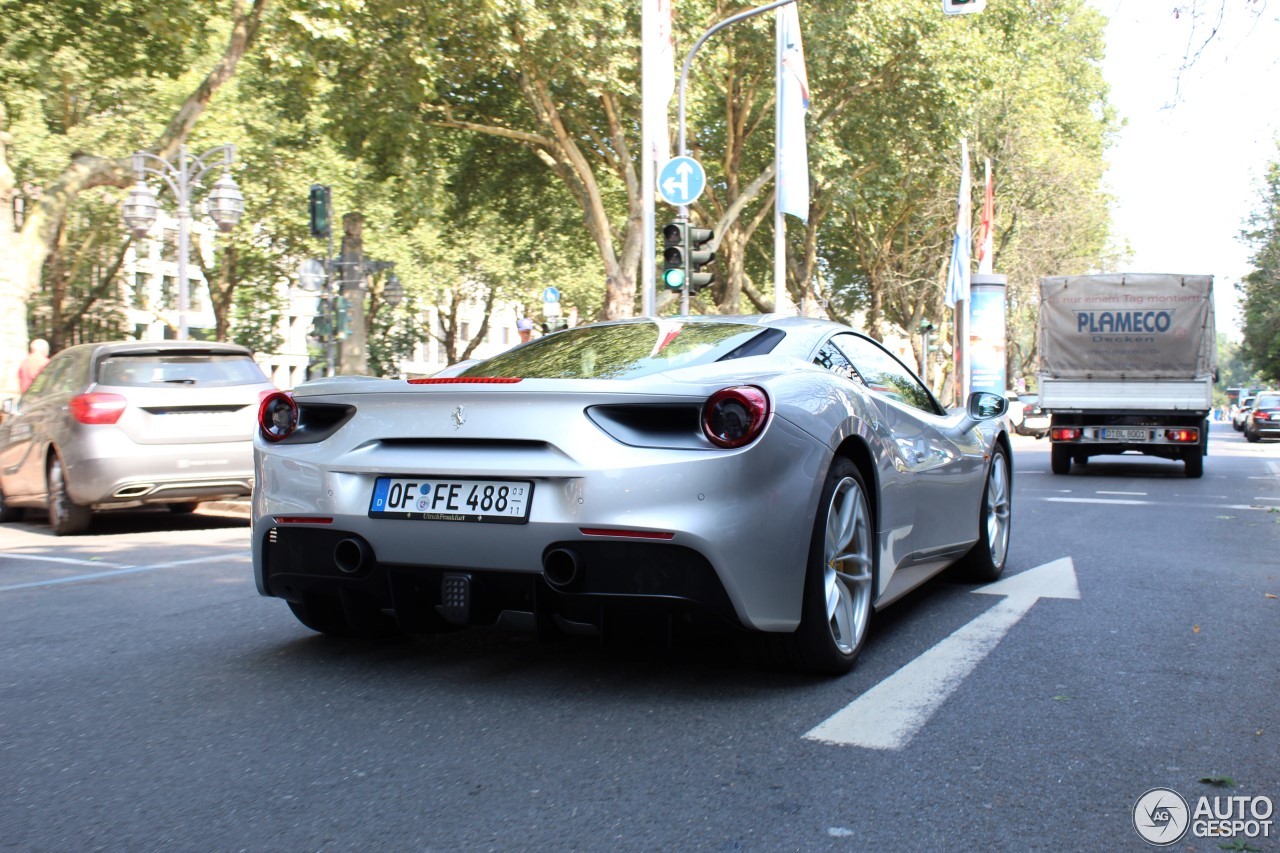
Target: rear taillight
(1065,433)
(98,408)
(1262,416)
(277,416)
(466,380)
(734,417)
(1188,436)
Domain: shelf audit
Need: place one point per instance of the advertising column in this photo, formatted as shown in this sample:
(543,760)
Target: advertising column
(987,371)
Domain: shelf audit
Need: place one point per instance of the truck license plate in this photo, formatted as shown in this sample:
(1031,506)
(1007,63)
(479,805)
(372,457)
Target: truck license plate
(436,499)
(1126,434)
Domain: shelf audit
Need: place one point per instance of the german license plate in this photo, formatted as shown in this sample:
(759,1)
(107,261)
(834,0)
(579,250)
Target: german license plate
(1126,434)
(437,499)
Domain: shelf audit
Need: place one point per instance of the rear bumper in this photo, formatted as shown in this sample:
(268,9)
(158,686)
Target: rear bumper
(136,474)
(612,581)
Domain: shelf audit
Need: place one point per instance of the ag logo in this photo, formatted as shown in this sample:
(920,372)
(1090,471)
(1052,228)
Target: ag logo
(1161,816)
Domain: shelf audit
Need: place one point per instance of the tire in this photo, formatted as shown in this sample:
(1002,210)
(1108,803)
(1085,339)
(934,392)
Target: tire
(66,517)
(8,513)
(327,616)
(1252,437)
(837,607)
(1194,462)
(986,560)
(1060,459)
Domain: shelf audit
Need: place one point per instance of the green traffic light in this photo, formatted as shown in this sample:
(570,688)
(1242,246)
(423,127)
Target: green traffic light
(673,278)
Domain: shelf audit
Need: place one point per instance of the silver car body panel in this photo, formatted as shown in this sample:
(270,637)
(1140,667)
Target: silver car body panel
(750,511)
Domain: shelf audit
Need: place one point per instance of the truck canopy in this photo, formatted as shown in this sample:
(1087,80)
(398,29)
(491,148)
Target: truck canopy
(1127,326)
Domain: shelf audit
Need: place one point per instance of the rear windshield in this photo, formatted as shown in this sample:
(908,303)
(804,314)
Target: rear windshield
(203,370)
(1268,402)
(627,351)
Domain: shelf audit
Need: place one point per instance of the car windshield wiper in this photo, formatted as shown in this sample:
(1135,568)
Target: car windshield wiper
(180,381)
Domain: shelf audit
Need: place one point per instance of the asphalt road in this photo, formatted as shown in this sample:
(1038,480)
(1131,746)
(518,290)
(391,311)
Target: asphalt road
(150,700)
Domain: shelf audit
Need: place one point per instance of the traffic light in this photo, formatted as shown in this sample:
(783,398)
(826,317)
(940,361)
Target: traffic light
(963,7)
(343,318)
(699,255)
(318,206)
(675,250)
(322,327)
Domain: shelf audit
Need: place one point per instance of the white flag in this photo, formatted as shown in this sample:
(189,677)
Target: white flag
(958,273)
(793,103)
(658,82)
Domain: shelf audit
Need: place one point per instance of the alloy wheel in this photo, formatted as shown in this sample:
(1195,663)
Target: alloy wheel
(847,559)
(998,507)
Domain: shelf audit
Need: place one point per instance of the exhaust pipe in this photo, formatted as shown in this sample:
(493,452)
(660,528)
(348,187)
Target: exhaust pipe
(561,567)
(352,555)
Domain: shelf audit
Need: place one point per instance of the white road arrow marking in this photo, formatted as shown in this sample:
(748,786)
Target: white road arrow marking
(888,715)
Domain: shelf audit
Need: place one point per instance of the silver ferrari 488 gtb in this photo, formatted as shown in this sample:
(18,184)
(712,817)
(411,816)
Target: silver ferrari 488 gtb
(782,475)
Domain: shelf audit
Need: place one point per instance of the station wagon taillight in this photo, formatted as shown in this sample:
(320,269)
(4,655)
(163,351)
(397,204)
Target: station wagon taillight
(98,407)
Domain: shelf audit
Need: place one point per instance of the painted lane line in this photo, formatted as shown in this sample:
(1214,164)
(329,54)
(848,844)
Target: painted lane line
(1137,494)
(1097,501)
(1254,507)
(123,571)
(40,558)
(890,714)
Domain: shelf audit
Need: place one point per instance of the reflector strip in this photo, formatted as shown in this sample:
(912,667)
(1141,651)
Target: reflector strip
(627,534)
(302,519)
(467,380)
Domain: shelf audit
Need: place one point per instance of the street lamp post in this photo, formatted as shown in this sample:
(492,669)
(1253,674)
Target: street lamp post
(225,204)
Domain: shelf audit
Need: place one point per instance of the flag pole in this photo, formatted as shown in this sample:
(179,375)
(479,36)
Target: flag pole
(648,56)
(779,218)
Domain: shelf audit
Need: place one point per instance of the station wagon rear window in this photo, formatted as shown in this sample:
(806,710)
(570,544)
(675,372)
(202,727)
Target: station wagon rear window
(207,371)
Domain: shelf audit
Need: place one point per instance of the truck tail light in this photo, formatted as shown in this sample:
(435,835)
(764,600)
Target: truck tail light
(1189,436)
(1065,433)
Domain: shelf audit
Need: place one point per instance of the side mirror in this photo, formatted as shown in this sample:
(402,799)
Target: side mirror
(983,406)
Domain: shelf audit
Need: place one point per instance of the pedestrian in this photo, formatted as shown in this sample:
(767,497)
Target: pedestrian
(524,328)
(36,359)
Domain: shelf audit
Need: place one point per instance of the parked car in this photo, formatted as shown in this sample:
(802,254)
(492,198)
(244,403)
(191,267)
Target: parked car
(1034,421)
(1015,410)
(1241,413)
(126,424)
(782,475)
(1263,420)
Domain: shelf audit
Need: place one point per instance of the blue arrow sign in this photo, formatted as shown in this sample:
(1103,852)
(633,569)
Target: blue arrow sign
(681,181)
(551,294)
